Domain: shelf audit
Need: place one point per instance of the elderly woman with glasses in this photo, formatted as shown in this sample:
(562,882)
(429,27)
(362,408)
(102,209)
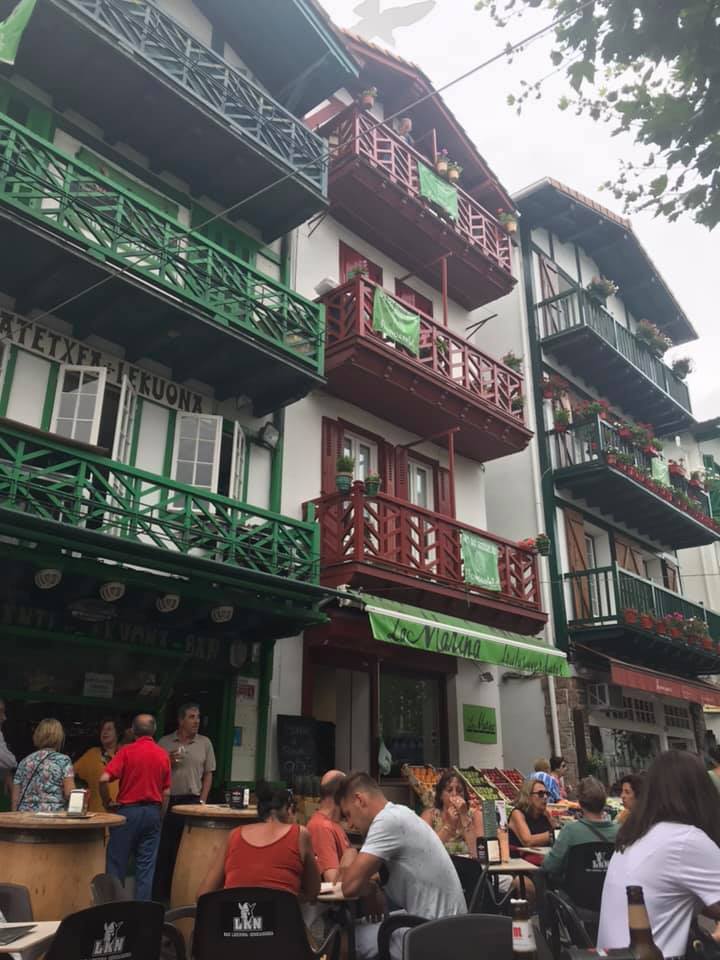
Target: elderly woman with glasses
(529,824)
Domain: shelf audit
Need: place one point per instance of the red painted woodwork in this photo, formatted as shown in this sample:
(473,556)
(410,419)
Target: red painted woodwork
(450,384)
(444,497)
(382,543)
(413,299)
(351,259)
(332,448)
(374,190)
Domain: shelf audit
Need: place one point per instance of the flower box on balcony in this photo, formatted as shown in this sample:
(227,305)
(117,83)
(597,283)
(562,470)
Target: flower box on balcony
(646,621)
(630,615)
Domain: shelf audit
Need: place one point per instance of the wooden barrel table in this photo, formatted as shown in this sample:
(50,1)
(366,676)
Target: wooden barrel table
(204,836)
(55,857)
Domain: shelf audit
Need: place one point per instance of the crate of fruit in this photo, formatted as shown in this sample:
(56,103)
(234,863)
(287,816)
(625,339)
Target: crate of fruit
(515,777)
(423,779)
(497,778)
(478,784)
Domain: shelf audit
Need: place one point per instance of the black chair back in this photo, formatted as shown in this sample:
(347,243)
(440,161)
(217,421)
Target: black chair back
(465,938)
(566,927)
(131,929)
(106,888)
(473,877)
(585,873)
(15,903)
(254,923)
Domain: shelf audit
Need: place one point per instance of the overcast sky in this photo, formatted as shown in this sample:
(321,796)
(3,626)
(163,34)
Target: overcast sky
(545,141)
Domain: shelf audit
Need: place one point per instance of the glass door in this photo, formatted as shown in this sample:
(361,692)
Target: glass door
(421,486)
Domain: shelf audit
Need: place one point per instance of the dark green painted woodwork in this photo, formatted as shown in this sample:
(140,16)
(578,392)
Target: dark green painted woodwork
(73,201)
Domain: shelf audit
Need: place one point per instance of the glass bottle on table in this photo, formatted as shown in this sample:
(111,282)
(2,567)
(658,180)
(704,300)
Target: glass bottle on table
(523,936)
(642,944)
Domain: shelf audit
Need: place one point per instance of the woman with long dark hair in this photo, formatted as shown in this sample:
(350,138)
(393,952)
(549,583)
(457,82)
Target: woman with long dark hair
(451,817)
(670,846)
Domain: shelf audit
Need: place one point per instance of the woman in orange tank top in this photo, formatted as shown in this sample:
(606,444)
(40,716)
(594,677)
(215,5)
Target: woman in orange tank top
(274,853)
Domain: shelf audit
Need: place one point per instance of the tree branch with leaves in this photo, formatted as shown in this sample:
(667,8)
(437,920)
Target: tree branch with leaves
(650,68)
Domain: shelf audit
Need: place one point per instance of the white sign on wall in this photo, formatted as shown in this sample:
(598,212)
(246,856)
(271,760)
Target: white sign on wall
(56,346)
(245,732)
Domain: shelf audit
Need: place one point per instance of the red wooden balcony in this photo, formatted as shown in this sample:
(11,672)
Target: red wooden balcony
(450,384)
(374,190)
(381,543)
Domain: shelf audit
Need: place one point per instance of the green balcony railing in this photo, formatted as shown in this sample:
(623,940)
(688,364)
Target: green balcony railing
(150,34)
(79,494)
(72,201)
(574,309)
(599,597)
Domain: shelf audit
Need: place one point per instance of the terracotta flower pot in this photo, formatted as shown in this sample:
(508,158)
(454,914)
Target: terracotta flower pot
(367,102)
(661,628)
(630,616)
(453,174)
(611,459)
(441,166)
(675,633)
(646,622)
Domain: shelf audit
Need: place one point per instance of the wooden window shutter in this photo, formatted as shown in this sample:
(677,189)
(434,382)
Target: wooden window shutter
(386,455)
(670,576)
(444,492)
(350,259)
(629,557)
(332,437)
(402,487)
(577,557)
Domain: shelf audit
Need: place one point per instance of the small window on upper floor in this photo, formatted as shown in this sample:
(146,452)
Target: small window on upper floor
(350,259)
(413,299)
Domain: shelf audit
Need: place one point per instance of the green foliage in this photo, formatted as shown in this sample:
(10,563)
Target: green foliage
(650,68)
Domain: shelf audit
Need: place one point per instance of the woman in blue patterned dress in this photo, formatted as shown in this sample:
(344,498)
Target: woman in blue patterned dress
(43,780)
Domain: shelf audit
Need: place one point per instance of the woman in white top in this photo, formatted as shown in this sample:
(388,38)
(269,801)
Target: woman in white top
(670,846)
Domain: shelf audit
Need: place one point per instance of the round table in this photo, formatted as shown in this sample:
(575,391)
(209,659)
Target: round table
(55,857)
(203,839)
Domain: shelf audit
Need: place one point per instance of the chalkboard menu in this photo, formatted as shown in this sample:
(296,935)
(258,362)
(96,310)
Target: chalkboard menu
(297,747)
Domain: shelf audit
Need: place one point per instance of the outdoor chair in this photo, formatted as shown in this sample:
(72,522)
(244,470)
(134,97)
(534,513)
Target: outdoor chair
(463,936)
(15,903)
(478,887)
(255,923)
(584,879)
(566,927)
(129,928)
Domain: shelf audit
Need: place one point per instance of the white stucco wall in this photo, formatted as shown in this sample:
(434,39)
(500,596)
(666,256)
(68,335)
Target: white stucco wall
(469,688)
(525,736)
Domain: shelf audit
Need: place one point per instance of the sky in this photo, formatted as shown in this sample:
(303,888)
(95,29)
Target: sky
(545,141)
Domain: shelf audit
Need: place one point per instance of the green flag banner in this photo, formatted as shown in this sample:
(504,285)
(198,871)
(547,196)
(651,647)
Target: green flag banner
(395,322)
(660,471)
(479,724)
(399,623)
(12,29)
(480,561)
(439,191)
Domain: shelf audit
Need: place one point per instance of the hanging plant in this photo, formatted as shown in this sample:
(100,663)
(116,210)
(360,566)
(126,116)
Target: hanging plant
(368,97)
(508,220)
(682,366)
(653,338)
(454,171)
(512,361)
(441,162)
(561,420)
(344,467)
(600,288)
(542,542)
(518,402)
(372,484)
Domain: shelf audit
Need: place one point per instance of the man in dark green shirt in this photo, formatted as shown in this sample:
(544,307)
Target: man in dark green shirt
(593,828)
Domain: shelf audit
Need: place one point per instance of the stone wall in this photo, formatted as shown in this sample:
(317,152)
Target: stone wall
(571,696)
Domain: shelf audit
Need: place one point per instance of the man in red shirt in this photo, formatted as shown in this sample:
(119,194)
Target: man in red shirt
(329,840)
(143,769)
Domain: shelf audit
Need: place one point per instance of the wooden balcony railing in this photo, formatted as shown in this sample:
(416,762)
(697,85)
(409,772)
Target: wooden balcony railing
(574,309)
(349,312)
(600,598)
(394,535)
(64,196)
(150,34)
(595,441)
(79,493)
(354,132)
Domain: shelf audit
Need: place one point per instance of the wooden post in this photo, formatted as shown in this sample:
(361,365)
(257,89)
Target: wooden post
(451,468)
(444,274)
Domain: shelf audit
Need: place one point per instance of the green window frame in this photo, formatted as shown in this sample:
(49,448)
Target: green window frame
(224,234)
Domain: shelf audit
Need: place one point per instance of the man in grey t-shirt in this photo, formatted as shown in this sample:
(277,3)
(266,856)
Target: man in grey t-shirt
(422,878)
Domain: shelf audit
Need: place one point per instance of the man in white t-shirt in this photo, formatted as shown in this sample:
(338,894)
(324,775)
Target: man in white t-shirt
(422,879)
(678,867)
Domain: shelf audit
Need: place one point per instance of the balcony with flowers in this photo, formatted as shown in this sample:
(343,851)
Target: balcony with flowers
(577,329)
(620,613)
(616,466)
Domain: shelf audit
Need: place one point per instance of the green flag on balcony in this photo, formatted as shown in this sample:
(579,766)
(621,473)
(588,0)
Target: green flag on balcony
(660,471)
(12,29)
(437,190)
(395,322)
(480,561)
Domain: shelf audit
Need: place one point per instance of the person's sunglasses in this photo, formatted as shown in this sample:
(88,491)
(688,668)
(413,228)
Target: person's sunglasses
(540,793)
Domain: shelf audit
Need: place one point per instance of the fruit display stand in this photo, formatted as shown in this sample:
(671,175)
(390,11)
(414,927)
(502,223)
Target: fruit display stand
(480,788)
(505,784)
(423,780)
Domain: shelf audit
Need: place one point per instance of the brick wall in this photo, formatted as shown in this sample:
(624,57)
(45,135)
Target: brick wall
(571,696)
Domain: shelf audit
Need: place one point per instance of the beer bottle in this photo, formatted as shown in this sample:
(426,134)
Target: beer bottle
(522,932)
(642,944)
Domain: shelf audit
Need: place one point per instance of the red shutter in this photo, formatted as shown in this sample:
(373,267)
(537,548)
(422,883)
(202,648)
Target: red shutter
(412,298)
(332,437)
(444,492)
(670,576)
(386,468)
(402,488)
(350,258)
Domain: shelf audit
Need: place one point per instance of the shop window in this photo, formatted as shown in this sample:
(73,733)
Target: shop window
(640,710)
(413,299)
(411,719)
(677,717)
(196,450)
(350,259)
(78,403)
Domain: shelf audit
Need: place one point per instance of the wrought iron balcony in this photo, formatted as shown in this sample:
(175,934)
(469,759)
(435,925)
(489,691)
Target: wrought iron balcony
(581,334)
(147,80)
(594,463)
(616,611)
(375,190)
(377,541)
(55,491)
(449,384)
(183,300)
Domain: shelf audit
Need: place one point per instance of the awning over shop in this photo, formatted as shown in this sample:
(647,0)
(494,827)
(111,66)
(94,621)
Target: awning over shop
(419,629)
(660,683)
